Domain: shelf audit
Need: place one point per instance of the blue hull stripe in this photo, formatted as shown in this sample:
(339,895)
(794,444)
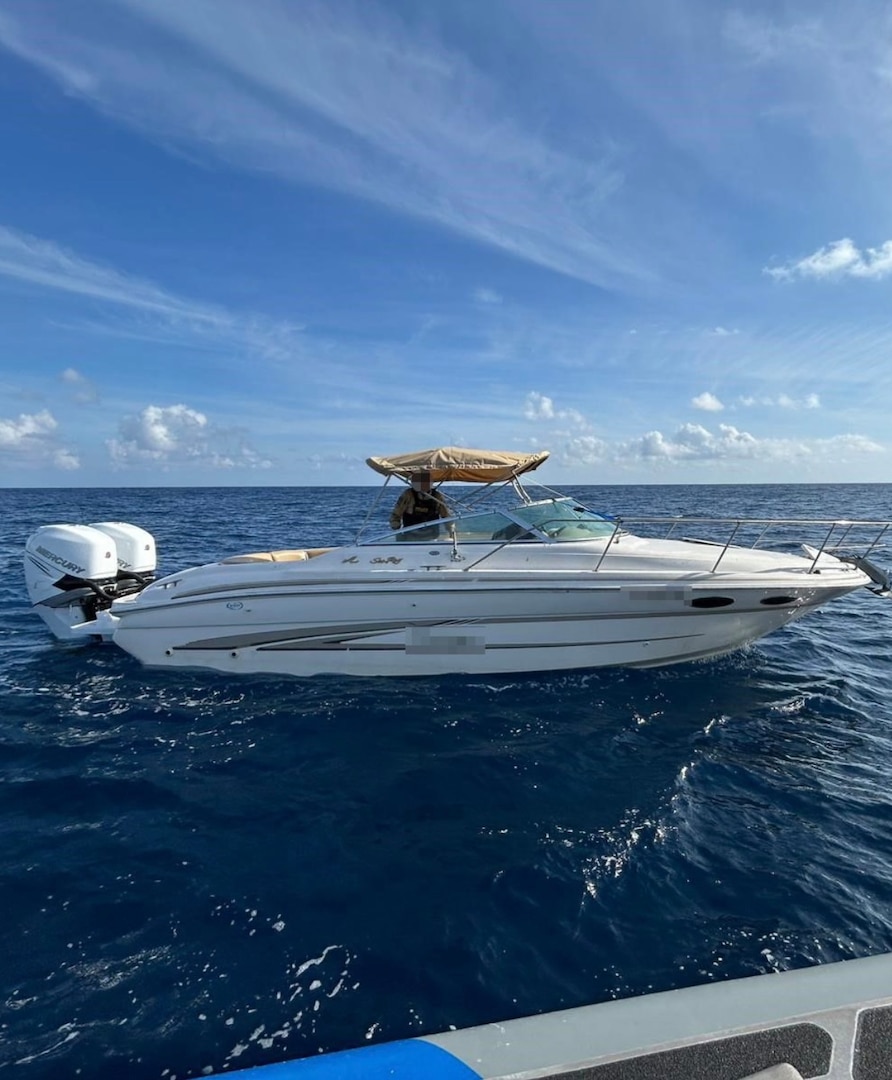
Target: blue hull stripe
(409,1059)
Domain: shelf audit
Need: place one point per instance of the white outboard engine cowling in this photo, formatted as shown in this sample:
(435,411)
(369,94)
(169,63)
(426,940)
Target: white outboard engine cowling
(74,571)
(136,547)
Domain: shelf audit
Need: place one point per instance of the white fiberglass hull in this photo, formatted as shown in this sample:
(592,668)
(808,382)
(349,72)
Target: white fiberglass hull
(545,586)
(453,622)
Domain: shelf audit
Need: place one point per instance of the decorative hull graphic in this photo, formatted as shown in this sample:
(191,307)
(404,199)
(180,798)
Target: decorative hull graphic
(480,629)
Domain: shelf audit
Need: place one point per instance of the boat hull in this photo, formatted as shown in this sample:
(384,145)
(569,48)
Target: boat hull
(401,628)
(528,585)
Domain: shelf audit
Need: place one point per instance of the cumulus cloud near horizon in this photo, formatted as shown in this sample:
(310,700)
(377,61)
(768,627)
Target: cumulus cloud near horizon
(31,438)
(15,433)
(177,434)
(541,407)
(691,442)
(695,443)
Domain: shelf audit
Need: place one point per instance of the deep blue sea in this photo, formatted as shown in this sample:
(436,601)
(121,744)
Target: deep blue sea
(200,873)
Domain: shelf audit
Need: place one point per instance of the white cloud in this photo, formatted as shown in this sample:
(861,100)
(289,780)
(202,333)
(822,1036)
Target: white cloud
(782,401)
(538,407)
(585,450)
(31,438)
(837,260)
(692,443)
(19,433)
(722,331)
(707,402)
(179,435)
(66,459)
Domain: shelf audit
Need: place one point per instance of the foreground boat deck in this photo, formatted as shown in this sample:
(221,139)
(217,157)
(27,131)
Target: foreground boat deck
(832,1021)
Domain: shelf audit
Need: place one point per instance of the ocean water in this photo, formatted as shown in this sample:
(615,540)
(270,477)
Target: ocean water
(200,873)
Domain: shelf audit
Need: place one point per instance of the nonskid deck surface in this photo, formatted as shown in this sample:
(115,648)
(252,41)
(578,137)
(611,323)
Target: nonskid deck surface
(833,1021)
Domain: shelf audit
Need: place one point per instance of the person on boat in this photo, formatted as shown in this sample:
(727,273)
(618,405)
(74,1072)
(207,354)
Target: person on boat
(419,504)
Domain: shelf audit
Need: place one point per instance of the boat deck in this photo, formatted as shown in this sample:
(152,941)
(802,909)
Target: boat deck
(833,1021)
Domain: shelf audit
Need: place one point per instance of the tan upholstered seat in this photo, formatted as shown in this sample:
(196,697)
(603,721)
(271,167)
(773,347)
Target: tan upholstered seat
(295,555)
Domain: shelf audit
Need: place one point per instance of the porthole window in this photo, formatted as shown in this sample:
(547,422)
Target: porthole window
(712,601)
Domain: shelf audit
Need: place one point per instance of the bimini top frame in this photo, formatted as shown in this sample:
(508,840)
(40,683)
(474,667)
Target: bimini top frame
(456,464)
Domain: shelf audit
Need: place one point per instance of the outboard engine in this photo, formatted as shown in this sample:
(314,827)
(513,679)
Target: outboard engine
(74,571)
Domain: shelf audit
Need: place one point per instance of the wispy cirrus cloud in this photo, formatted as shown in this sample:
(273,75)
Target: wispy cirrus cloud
(764,39)
(346,96)
(825,67)
(45,264)
(41,262)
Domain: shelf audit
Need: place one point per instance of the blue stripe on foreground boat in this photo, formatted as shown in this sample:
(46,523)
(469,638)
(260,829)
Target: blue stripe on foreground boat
(410,1059)
(830,1021)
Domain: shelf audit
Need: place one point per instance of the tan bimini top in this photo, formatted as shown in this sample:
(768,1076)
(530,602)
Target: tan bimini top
(459,463)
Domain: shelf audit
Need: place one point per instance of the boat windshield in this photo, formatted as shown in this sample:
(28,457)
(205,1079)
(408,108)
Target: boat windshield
(565,519)
(558,519)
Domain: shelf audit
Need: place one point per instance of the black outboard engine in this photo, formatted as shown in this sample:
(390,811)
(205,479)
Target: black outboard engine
(74,571)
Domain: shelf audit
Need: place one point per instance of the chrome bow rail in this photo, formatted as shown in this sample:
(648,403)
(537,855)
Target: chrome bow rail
(833,537)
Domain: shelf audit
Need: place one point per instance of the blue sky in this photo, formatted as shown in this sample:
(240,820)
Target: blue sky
(254,243)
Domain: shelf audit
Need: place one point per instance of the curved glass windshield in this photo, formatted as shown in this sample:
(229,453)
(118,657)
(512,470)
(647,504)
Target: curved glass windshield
(565,519)
(485,526)
(558,519)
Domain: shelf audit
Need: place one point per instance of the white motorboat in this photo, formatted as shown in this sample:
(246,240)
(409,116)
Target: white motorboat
(511,581)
